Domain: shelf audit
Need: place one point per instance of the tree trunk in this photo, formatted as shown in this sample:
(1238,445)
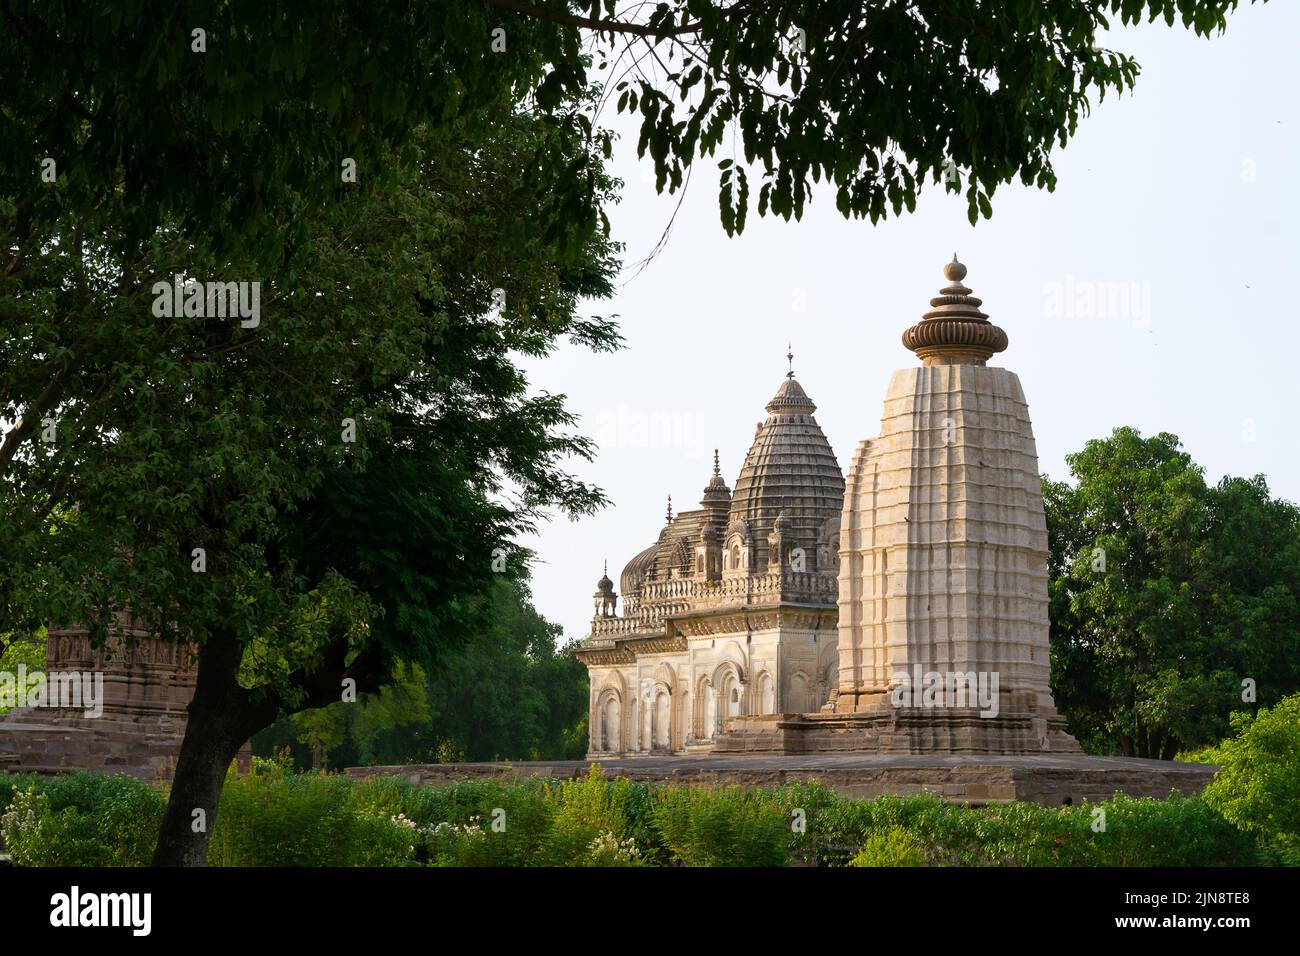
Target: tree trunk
(206,754)
(220,716)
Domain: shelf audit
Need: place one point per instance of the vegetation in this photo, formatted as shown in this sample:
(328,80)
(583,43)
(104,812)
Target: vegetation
(1173,603)
(323,495)
(1258,785)
(273,816)
(508,694)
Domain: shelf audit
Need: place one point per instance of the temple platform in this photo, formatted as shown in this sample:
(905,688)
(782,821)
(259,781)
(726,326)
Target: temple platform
(1047,779)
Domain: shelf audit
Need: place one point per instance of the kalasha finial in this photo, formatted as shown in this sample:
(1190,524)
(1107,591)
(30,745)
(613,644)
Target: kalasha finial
(789,357)
(955,331)
(670,509)
(717,469)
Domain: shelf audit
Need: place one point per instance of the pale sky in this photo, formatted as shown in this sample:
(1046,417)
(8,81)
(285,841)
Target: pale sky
(1156,287)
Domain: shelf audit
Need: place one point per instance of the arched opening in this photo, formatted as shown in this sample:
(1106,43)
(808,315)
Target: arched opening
(609,725)
(662,723)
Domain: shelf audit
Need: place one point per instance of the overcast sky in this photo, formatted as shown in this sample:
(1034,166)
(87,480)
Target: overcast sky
(1176,214)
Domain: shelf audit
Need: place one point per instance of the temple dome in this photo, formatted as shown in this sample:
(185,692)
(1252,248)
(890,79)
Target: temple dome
(634,572)
(790,468)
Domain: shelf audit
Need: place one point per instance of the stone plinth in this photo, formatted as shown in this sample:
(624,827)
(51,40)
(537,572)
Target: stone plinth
(1047,779)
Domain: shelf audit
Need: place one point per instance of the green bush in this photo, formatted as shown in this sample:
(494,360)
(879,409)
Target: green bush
(1257,787)
(892,847)
(724,826)
(44,826)
(273,817)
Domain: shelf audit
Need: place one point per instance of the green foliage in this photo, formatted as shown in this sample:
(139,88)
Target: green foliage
(724,826)
(1166,596)
(325,557)
(971,98)
(82,820)
(1258,786)
(274,817)
(892,847)
(21,652)
(508,694)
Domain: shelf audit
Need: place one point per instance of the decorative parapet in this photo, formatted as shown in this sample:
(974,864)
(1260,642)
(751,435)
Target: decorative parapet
(667,599)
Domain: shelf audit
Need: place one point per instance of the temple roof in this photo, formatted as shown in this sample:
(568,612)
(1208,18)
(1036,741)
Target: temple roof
(790,467)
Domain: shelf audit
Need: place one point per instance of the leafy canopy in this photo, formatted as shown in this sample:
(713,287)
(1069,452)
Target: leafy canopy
(1171,602)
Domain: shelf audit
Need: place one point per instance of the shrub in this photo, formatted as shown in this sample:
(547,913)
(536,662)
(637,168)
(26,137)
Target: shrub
(724,826)
(1258,785)
(120,829)
(273,817)
(496,825)
(892,847)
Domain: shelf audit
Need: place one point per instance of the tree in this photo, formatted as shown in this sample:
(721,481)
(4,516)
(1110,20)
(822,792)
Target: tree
(1172,603)
(311,499)
(508,694)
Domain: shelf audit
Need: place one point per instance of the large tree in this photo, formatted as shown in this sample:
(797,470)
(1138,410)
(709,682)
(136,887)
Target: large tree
(311,499)
(1173,603)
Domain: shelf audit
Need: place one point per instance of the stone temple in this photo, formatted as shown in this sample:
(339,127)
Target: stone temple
(904,612)
(732,610)
(887,634)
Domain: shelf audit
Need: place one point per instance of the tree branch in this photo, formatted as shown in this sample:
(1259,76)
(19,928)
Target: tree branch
(589,23)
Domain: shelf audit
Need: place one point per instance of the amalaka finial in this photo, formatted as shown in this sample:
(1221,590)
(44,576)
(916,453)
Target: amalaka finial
(955,331)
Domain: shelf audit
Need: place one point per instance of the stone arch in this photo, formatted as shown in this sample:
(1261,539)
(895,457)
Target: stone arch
(707,704)
(609,710)
(737,547)
(610,718)
(728,681)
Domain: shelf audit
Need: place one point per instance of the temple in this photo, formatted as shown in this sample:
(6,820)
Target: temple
(905,612)
(147,685)
(732,610)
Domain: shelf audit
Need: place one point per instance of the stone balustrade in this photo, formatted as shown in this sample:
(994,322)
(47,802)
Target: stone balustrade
(662,599)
